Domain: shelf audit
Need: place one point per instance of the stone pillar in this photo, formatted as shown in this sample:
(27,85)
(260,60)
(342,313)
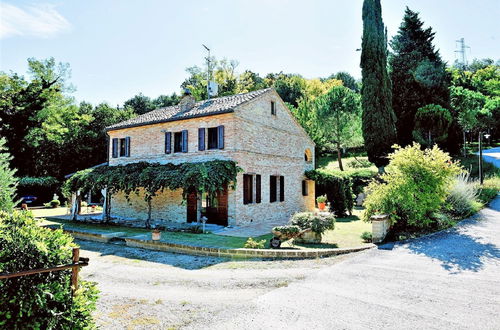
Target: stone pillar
(104,193)
(75,205)
(380,227)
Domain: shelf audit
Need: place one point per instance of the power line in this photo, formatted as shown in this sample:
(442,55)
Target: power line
(461,52)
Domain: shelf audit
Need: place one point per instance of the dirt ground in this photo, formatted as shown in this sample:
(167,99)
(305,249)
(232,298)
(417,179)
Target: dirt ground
(143,289)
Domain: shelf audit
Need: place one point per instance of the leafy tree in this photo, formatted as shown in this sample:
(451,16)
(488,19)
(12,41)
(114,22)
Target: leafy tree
(140,104)
(432,123)
(347,80)
(290,87)
(379,129)
(339,116)
(249,81)
(7,180)
(163,101)
(417,72)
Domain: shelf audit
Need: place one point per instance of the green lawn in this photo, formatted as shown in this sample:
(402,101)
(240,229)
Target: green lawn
(346,233)
(330,162)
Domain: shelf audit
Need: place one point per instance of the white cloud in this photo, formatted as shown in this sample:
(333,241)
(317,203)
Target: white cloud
(41,20)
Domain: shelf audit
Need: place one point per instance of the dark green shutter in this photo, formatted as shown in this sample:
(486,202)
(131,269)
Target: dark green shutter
(114,152)
(201,139)
(282,188)
(220,136)
(168,142)
(127,146)
(184,141)
(258,194)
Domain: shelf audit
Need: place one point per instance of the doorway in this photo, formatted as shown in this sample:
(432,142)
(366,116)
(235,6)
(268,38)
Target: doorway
(213,207)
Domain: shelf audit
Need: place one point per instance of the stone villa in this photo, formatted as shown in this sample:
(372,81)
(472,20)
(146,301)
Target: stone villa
(254,129)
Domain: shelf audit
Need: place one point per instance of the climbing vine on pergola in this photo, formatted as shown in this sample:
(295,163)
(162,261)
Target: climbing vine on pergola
(151,178)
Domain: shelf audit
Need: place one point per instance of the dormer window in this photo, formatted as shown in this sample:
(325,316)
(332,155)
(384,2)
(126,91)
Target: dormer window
(273,108)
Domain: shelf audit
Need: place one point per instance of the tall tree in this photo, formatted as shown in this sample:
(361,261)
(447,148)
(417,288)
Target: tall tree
(140,104)
(417,72)
(338,114)
(347,80)
(379,129)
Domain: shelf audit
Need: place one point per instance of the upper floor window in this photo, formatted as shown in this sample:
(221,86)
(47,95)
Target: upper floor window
(308,155)
(120,147)
(180,142)
(211,138)
(273,108)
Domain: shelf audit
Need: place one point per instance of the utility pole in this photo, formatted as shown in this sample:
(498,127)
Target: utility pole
(209,73)
(462,51)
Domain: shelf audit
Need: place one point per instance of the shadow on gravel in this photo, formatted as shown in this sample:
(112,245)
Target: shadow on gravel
(119,250)
(457,251)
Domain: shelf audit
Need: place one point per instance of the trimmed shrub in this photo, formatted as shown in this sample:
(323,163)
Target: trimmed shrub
(340,187)
(463,195)
(252,244)
(366,236)
(416,184)
(40,301)
(319,223)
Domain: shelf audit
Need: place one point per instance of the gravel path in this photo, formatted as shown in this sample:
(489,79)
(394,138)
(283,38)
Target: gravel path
(450,280)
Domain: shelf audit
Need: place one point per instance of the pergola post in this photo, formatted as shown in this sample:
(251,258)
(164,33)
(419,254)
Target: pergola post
(75,205)
(106,206)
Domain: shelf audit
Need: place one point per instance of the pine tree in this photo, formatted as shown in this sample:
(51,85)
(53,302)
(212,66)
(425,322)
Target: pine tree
(417,72)
(379,130)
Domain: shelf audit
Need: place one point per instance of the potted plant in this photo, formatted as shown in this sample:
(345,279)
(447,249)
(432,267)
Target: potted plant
(313,226)
(156,234)
(321,200)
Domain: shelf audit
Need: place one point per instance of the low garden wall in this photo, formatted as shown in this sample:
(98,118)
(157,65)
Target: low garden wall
(241,253)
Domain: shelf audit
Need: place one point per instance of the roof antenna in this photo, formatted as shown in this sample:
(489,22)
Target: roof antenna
(212,87)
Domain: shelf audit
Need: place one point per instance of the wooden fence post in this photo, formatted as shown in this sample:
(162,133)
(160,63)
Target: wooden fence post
(74,271)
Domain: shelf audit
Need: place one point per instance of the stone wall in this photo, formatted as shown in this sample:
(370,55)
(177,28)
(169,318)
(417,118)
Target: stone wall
(261,143)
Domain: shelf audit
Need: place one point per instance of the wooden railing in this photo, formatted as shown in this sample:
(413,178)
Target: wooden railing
(75,268)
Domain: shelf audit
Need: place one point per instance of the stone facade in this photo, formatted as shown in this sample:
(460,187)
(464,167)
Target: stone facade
(260,142)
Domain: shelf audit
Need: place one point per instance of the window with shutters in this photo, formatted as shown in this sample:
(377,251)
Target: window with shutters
(273,108)
(305,188)
(213,138)
(247,188)
(178,142)
(123,147)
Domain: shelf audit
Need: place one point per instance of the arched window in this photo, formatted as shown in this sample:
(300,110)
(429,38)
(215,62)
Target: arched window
(308,155)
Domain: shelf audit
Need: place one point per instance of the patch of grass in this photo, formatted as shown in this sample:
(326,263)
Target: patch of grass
(143,321)
(205,240)
(471,164)
(331,163)
(489,190)
(347,233)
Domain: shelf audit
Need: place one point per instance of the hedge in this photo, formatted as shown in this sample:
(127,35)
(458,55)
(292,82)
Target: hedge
(340,187)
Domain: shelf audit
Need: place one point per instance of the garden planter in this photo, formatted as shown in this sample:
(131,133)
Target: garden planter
(155,235)
(321,206)
(308,237)
(24,206)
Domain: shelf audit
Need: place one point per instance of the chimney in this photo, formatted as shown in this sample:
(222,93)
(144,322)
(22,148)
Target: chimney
(187,101)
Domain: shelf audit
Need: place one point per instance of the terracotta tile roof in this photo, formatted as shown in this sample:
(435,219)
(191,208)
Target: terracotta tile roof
(210,107)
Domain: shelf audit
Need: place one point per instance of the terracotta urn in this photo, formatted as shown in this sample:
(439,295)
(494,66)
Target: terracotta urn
(155,235)
(321,206)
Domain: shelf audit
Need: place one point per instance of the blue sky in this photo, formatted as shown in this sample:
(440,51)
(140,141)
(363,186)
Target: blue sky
(117,49)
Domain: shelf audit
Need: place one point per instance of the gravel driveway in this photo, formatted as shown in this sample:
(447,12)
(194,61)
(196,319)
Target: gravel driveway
(450,280)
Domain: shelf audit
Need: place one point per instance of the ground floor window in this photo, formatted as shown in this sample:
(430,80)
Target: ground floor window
(276,188)
(305,188)
(252,188)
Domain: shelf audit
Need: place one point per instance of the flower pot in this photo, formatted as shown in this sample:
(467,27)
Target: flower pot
(155,235)
(24,206)
(321,206)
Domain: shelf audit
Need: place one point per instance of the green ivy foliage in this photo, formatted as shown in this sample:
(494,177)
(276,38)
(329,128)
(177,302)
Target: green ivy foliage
(43,181)
(40,301)
(210,177)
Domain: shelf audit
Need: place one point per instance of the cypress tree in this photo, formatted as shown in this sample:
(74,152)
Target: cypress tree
(417,72)
(379,130)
